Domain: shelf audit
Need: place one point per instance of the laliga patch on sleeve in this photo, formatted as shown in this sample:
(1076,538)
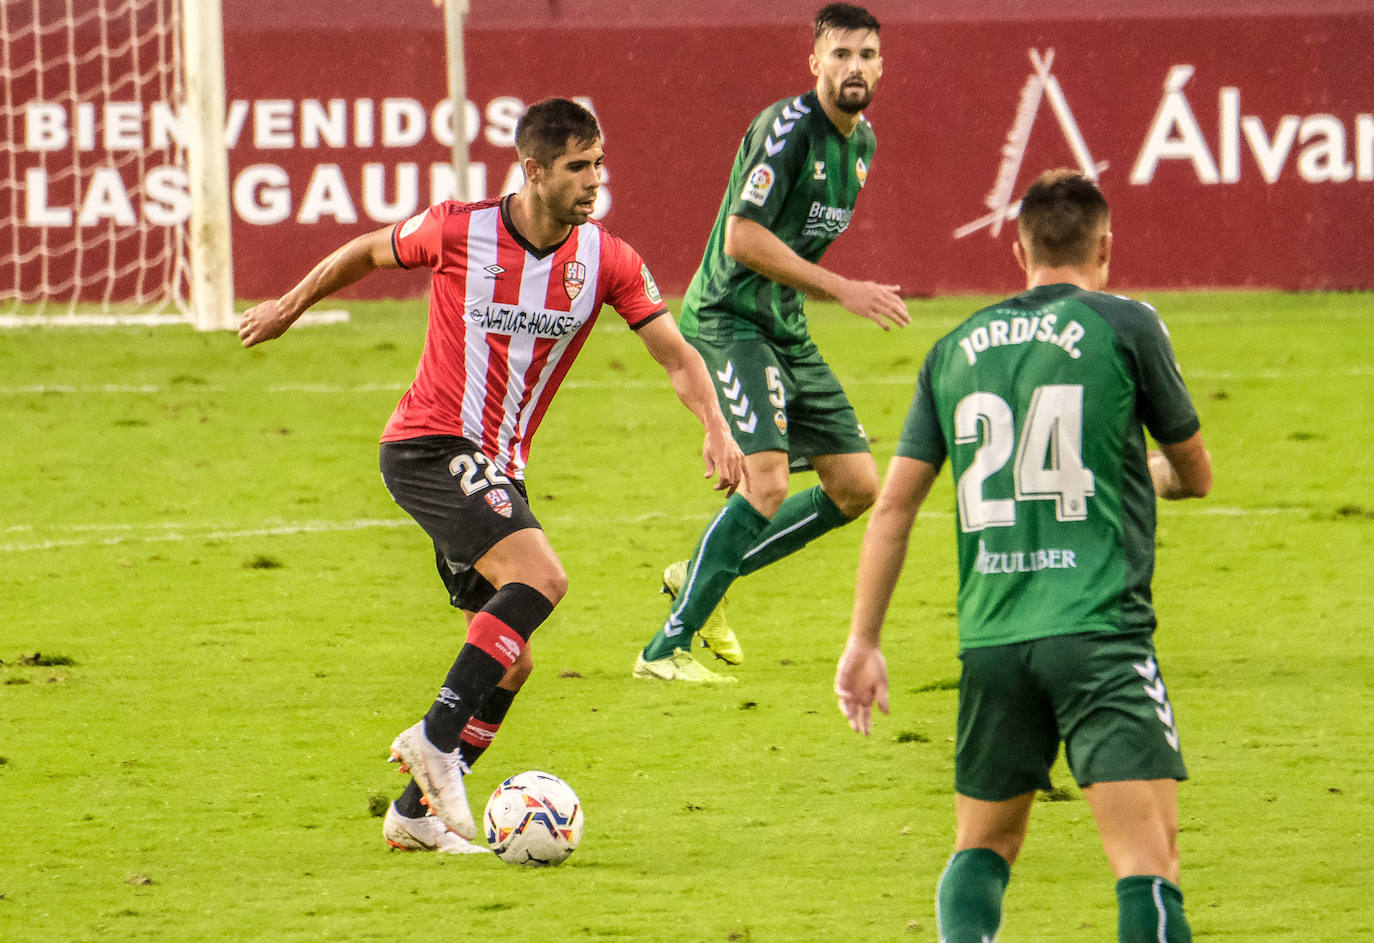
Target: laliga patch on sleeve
(757,187)
(650,286)
(411,225)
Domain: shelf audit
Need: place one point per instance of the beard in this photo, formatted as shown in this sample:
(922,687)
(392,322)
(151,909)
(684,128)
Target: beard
(853,99)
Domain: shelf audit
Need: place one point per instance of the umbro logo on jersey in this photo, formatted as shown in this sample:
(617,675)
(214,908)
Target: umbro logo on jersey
(494,270)
(574,277)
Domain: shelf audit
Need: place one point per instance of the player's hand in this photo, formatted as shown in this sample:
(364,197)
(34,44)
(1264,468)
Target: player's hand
(878,303)
(861,682)
(264,322)
(721,456)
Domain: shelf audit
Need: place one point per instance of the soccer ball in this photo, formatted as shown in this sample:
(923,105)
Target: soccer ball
(533,818)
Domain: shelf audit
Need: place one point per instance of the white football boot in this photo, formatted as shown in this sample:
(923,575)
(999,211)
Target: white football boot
(439,776)
(426,833)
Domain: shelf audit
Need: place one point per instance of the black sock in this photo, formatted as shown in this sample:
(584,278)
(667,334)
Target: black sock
(476,737)
(481,729)
(496,636)
(408,803)
(473,675)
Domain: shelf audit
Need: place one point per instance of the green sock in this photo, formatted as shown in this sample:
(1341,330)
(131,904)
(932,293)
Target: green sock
(713,567)
(968,902)
(1150,910)
(801,519)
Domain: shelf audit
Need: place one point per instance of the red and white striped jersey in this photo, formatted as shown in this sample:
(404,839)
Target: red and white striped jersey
(506,322)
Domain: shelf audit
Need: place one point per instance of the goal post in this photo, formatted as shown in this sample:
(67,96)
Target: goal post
(455,14)
(207,163)
(113,166)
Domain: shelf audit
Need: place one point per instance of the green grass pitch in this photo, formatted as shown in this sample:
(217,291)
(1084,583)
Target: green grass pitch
(231,620)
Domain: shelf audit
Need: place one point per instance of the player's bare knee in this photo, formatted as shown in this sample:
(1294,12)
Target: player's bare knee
(854,494)
(767,493)
(857,498)
(551,582)
(851,482)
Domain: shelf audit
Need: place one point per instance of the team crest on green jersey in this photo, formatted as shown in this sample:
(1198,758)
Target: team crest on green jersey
(861,171)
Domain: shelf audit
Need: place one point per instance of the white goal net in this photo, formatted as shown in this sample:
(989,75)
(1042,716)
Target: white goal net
(96,131)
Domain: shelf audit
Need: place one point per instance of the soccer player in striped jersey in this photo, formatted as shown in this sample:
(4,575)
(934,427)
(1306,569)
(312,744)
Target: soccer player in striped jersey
(516,286)
(796,177)
(1038,403)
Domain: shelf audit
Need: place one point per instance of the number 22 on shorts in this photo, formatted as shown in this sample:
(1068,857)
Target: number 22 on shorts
(465,467)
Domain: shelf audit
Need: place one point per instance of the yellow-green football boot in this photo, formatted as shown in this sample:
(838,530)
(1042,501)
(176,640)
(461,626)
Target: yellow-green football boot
(714,633)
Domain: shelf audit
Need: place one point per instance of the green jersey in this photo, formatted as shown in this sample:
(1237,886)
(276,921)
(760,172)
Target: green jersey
(797,175)
(1038,402)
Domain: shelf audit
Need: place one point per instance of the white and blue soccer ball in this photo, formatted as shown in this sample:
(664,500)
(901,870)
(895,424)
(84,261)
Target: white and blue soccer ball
(533,818)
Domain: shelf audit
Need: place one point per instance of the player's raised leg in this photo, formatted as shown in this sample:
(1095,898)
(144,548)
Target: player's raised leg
(408,824)
(430,748)
(848,488)
(715,633)
(716,561)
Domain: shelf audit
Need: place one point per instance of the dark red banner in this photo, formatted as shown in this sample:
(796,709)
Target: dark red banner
(1236,150)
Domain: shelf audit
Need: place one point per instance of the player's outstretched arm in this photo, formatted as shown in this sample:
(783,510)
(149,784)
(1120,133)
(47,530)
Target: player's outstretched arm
(755,246)
(1181,470)
(344,266)
(861,675)
(687,372)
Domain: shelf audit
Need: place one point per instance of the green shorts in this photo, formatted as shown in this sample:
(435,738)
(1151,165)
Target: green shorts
(779,401)
(1100,693)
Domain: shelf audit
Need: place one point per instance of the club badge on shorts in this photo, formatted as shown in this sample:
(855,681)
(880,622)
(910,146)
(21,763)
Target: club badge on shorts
(498,499)
(574,277)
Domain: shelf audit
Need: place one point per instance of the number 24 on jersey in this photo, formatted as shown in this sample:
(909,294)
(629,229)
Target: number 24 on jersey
(1048,455)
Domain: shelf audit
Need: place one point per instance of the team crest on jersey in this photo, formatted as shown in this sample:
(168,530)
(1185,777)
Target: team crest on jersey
(650,286)
(574,277)
(780,420)
(861,171)
(759,184)
(498,499)
(819,173)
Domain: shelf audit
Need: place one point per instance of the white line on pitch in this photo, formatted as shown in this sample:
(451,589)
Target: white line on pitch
(170,532)
(191,533)
(332,389)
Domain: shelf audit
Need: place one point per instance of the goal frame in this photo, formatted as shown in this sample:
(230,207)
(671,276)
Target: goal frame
(211,278)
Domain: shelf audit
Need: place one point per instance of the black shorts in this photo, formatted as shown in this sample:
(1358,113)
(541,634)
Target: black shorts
(455,492)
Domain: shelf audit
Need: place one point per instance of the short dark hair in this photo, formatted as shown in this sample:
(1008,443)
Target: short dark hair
(844,16)
(1060,217)
(544,129)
